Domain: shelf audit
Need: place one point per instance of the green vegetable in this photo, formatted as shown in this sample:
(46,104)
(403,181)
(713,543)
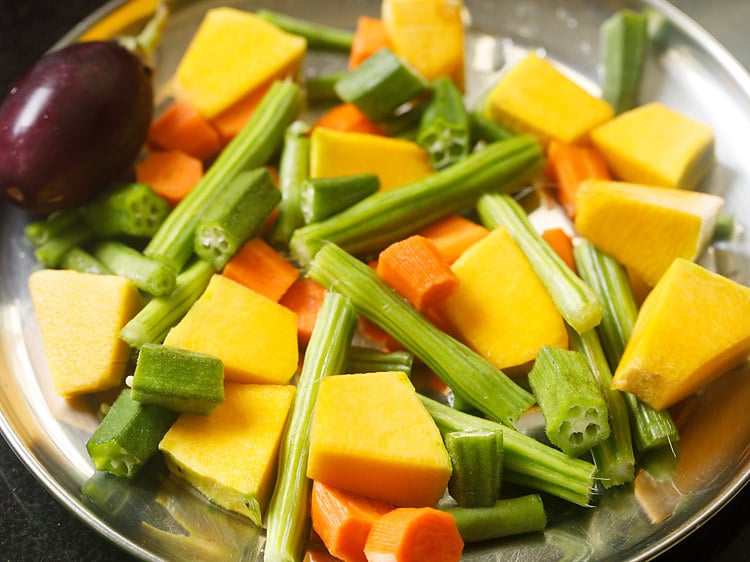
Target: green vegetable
(574,410)
(369,360)
(80,260)
(725,228)
(42,231)
(574,299)
(488,388)
(154,320)
(317,35)
(251,148)
(322,88)
(624,41)
(485,129)
(52,252)
(324,197)
(147,274)
(477,460)
(234,216)
(128,435)
(178,379)
(526,461)
(507,517)
(387,216)
(444,130)
(288,511)
(381,84)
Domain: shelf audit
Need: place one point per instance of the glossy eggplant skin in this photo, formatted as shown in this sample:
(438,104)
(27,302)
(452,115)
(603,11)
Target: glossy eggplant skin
(72,124)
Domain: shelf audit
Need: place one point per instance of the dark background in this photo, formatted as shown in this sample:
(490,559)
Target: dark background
(33,526)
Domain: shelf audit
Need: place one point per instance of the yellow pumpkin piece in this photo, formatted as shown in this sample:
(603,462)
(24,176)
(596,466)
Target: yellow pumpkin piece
(396,162)
(232,53)
(645,227)
(655,145)
(501,309)
(429,34)
(80,316)
(255,337)
(230,456)
(535,97)
(371,435)
(693,327)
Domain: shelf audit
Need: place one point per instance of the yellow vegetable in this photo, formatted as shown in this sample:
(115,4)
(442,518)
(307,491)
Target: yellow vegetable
(255,337)
(693,327)
(655,145)
(371,435)
(429,34)
(535,97)
(233,53)
(80,316)
(645,227)
(501,309)
(230,456)
(396,162)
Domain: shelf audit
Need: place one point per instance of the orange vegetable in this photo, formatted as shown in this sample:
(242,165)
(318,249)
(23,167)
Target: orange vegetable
(231,121)
(562,244)
(347,118)
(171,174)
(304,298)
(569,165)
(343,520)
(260,267)
(370,36)
(416,269)
(181,127)
(453,235)
(408,534)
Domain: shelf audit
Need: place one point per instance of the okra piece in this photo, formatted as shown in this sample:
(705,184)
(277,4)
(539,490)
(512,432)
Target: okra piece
(128,435)
(485,129)
(477,460)
(507,517)
(234,216)
(154,320)
(317,35)
(251,148)
(294,168)
(178,379)
(149,275)
(381,84)
(324,197)
(130,209)
(370,360)
(444,130)
(52,252)
(322,88)
(573,297)
(470,374)
(609,280)
(526,461)
(289,509)
(574,410)
(387,216)
(78,259)
(41,231)
(725,228)
(624,41)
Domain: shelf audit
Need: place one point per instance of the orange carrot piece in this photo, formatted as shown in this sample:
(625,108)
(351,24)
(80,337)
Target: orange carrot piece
(416,269)
(171,174)
(414,534)
(343,520)
(453,235)
(370,36)
(260,267)
(181,127)
(562,244)
(231,121)
(348,118)
(569,165)
(304,298)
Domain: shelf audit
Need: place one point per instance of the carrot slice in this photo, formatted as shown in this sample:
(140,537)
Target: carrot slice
(171,174)
(416,269)
(569,165)
(348,118)
(453,235)
(415,534)
(370,36)
(562,244)
(181,127)
(260,267)
(343,520)
(304,298)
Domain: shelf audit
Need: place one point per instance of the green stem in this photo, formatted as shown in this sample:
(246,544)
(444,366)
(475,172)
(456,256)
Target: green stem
(369,360)
(507,517)
(317,35)
(147,274)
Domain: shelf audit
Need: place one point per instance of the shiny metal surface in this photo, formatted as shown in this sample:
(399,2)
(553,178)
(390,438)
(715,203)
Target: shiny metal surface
(156,518)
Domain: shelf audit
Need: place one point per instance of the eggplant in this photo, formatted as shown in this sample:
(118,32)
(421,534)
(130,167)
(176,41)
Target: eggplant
(74,123)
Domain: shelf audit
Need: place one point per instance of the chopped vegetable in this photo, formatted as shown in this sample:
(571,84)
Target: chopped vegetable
(60,241)
(54,225)
(171,174)
(304,298)
(570,165)
(316,34)
(485,129)
(180,127)
(370,36)
(561,243)
(368,360)
(347,118)
(444,130)
(260,267)
(507,517)
(233,119)
(453,235)
(325,197)
(477,459)
(623,46)
(322,88)
(149,275)
(80,260)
